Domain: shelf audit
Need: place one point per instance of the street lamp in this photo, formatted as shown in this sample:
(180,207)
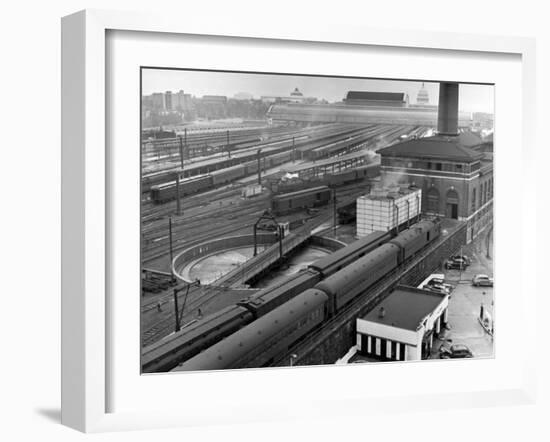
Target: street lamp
(179,314)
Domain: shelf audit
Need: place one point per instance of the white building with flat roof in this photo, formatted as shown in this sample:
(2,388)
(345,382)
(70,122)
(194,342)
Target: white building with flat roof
(386,208)
(402,326)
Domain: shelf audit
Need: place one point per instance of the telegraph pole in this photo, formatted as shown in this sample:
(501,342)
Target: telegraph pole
(171,247)
(178,203)
(181,151)
(228,149)
(178,327)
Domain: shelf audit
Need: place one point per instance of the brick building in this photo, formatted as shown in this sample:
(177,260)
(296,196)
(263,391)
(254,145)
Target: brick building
(456,178)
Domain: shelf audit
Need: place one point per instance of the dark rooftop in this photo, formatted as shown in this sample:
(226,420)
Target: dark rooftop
(447,147)
(406,307)
(375,96)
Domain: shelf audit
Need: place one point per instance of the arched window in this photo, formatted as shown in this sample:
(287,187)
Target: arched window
(432,200)
(451,207)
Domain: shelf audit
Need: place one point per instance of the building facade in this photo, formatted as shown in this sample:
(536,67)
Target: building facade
(455,178)
(402,326)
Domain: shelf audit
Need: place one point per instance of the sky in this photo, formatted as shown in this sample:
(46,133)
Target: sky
(472,97)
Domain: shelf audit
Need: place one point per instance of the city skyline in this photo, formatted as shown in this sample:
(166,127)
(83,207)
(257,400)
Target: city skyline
(472,97)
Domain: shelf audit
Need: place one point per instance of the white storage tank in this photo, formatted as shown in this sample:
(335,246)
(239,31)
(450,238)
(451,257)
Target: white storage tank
(385,208)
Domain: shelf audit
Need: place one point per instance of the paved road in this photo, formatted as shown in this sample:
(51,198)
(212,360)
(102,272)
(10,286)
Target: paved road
(466,301)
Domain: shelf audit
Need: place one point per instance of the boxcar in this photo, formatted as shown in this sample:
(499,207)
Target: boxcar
(225,176)
(288,202)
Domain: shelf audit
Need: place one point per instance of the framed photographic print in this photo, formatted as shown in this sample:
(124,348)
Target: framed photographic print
(266,222)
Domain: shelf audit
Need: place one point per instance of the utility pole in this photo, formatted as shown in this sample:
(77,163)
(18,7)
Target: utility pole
(293,150)
(185,141)
(178,328)
(171,247)
(228,149)
(178,203)
(259,167)
(181,151)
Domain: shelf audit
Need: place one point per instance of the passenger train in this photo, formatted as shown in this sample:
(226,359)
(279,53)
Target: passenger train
(269,337)
(353,268)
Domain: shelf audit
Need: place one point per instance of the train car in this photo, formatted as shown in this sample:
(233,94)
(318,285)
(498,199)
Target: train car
(271,297)
(265,339)
(164,355)
(330,264)
(188,186)
(251,167)
(288,202)
(228,175)
(358,276)
(415,238)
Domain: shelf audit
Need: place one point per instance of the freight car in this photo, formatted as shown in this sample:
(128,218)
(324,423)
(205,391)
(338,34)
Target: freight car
(289,202)
(269,337)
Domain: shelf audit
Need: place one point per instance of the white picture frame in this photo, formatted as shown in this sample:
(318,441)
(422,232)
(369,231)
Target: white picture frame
(86,315)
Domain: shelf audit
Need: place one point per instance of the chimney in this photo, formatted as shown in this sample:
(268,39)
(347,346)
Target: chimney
(447,118)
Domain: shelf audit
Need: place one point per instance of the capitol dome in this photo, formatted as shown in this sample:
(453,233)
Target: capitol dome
(296,93)
(422,97)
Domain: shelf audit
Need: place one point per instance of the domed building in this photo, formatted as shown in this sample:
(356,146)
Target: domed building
(422,98)
(296,93)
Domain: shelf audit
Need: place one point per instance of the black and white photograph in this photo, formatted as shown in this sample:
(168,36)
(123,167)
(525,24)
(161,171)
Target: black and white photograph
(295,220)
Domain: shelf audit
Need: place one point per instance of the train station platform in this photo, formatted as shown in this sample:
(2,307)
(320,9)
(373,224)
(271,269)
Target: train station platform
(330,165)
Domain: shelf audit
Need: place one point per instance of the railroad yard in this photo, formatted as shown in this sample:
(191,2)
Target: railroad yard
(221,211)
(309,231)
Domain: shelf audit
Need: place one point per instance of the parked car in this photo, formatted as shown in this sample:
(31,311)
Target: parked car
(455,262)
(455,351)
(437,288)
(482,280)
(437,282)
(464,258)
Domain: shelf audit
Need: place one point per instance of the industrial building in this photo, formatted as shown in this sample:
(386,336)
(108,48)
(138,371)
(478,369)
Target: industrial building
(402,326)
(452,168)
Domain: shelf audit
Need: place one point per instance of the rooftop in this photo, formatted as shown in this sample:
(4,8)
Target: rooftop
(376,96)
(447,147)
(406,308)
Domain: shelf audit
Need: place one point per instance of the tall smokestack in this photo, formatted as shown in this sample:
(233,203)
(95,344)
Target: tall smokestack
(447,118)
